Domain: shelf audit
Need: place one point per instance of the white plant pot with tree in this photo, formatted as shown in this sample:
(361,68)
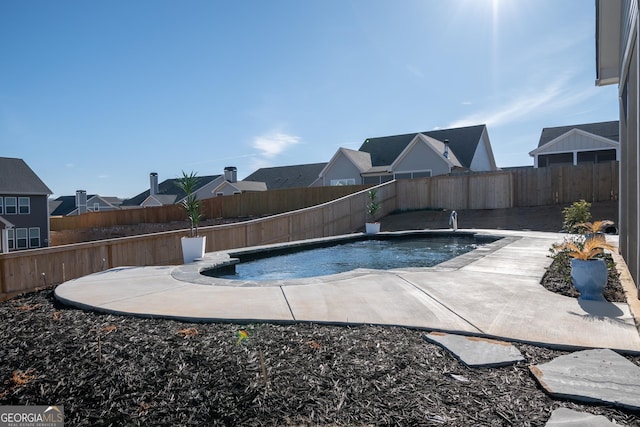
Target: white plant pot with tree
(371,226)
(193,246)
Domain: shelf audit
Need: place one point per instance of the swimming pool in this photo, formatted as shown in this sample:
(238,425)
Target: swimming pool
(383,253)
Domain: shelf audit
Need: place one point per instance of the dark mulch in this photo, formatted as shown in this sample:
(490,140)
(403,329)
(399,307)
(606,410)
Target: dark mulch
(117,370)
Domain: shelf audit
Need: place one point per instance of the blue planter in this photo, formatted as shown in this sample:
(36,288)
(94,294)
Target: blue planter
(589,277)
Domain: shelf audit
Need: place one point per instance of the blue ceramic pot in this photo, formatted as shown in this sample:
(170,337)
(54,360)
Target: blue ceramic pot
(589,277)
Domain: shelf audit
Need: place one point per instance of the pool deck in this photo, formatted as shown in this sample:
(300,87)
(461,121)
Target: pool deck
(493,291)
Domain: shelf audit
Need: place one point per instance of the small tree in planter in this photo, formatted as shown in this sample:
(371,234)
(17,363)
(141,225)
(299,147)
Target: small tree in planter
(589,272)
(371,226)
(193,246)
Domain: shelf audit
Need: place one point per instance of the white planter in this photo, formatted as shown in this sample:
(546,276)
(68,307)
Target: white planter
(372,227)
(193,248)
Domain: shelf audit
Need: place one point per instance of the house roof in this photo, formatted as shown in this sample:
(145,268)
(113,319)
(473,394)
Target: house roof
(295,176)
(242,186)
(64,205)
(462,141)
(16,177)
(609,130)
(168,187)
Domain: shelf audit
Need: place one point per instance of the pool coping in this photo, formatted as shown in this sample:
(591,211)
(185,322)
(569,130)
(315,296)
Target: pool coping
(192,272)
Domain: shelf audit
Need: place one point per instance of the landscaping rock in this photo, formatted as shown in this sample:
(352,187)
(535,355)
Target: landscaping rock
(600,375)
(563,417)
(477,352)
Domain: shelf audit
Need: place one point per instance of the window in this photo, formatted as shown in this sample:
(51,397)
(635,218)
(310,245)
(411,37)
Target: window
(24,205)
(96,207)
(12,238)
(34,237)
(1,206)
(10,205)
(413,175)
(343,181)
(21,238)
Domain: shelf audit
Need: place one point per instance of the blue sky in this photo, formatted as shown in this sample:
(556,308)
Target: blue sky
(94,95)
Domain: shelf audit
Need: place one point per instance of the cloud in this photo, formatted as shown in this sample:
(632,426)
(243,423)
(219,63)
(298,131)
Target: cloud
(273,144)
(553,97)
(415,71)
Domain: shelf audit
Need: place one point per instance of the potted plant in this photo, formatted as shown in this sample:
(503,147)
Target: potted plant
(193,246)
(590,229)
(371,226)
(589,272)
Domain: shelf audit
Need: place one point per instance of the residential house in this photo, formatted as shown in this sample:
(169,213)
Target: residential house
(411,155)
(617,44)
(168,192)
(24,213)
(82,203)
(294,176)
(585,143)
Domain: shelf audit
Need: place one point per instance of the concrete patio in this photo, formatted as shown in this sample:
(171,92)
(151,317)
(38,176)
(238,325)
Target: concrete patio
(493,292)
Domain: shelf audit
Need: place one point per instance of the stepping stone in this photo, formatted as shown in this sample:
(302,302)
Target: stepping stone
(563,417)
(600,375)
(477,352)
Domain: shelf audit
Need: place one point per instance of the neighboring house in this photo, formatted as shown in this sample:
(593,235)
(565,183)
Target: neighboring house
(617,58)
(586,143)
(24,210)
(82,203)
(412,155)
(236,187)
(295,176)
(168,192)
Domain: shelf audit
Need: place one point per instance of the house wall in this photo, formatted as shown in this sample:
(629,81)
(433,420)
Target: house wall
(629,158)
(576,142)
(421,158)
(208,191)
(38,216)
(481,159)
(342,168)
(104,206)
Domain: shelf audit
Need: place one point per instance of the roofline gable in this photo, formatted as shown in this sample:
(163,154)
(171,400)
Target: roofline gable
(343,151)
(550,144)
(427,141)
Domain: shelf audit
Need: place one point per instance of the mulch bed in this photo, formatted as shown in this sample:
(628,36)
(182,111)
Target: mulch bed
(118,370)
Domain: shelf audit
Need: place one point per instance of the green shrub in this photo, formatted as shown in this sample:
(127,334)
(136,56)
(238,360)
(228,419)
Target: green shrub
(575,214)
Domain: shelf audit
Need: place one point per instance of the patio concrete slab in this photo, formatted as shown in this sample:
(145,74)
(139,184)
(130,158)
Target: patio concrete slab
(477,352)
(564,417)
(372,298)
(599,375)
(513,306)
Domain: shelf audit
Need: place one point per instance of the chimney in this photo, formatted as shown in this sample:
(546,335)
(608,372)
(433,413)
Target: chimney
(81,201)
(231,173)
(153,183)
(446,149)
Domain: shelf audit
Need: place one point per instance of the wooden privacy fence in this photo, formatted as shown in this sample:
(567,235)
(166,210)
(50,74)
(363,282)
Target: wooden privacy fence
(512,188)
(27,270)
(565,184)
(235,206)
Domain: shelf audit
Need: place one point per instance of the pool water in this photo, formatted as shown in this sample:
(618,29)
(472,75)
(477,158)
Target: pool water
(374,254)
